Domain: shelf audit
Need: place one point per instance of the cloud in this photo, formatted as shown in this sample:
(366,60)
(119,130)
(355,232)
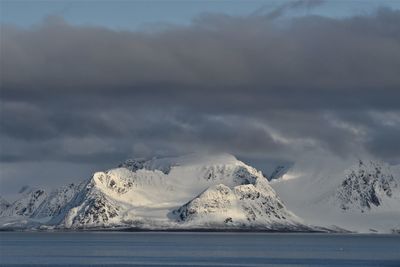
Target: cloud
(217,52)
(280,11)
(253,86)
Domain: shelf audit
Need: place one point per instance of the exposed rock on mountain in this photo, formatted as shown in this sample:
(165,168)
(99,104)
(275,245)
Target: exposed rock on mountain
(243,205)
(3,205)
(30,200)
(56,200)
(367,186)
(278,172)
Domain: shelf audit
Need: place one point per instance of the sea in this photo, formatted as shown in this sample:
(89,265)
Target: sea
(197,249)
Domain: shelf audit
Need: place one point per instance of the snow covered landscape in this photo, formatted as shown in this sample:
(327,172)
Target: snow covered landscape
(200,133)
(215,192)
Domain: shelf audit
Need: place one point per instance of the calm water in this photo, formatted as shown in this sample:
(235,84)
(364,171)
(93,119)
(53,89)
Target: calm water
(197,249)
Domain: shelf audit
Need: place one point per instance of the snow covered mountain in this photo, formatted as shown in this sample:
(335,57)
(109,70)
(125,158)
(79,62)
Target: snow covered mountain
(30,200)
(56,200)
(194,191)
(4,204)
(363,198)
(367,186)
(214,192)
(248,205)
(153,194)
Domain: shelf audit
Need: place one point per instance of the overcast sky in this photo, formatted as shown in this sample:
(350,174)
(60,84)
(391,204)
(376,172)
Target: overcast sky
(277,82)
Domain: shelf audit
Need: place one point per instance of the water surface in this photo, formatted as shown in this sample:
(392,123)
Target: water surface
(196,249)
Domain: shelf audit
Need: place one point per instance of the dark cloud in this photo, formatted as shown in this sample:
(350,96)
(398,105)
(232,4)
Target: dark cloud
(254,86)
(217,52)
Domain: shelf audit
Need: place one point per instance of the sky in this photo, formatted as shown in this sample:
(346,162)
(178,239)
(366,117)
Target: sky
(88,84)
(139,15)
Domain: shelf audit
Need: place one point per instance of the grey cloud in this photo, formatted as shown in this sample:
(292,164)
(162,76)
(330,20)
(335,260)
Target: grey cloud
(358,54)
(254,86)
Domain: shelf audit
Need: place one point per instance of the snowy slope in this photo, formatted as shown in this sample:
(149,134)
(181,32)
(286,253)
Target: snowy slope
(30,199)
(56,200)
(151,194)
(4,204)
(361,197)
(247,205)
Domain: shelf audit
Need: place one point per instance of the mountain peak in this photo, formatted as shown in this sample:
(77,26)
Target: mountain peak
(25,189)
(366,185)
(164,164)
